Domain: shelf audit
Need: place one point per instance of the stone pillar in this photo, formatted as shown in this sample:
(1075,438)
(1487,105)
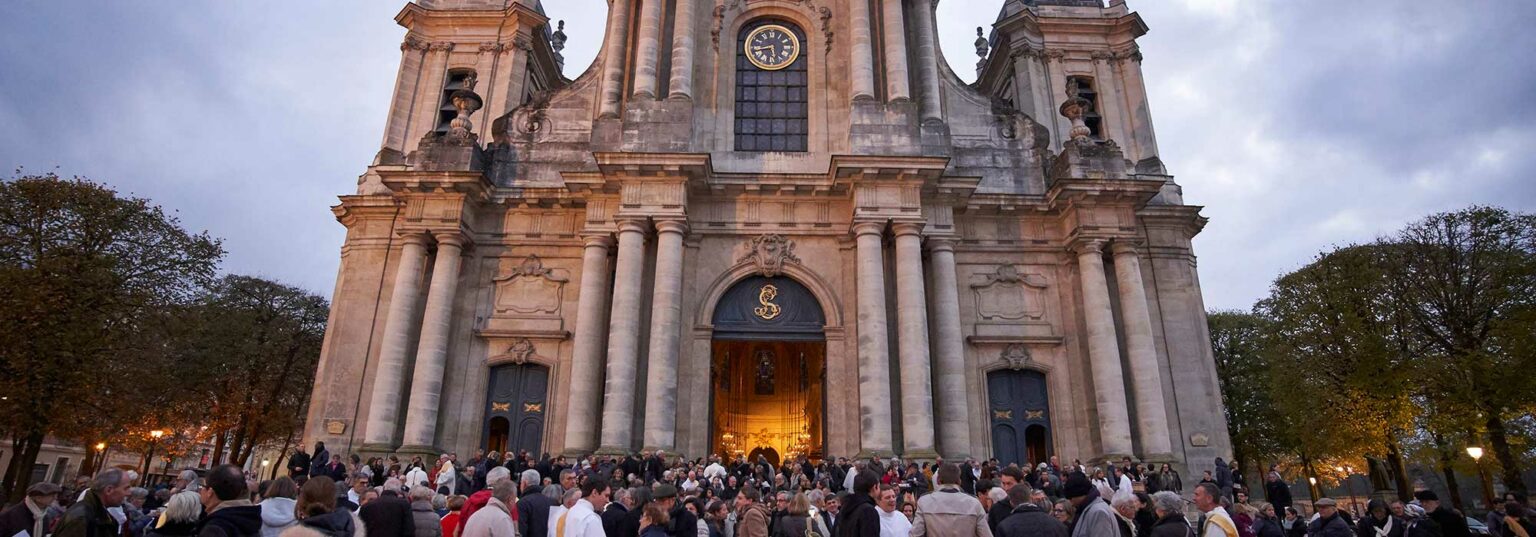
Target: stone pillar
(681,84)
(912,316)
(1146,376)
(587,356)
(624,340)
(1110,102)
(954,415)
(647,49)
(432,351)
(1103,353)
(429,94)
(1143,142)
(389,381)
(874,347)
(614,55)
(928,62)
(413,52)
(895,51)
(862,52)
(666,312)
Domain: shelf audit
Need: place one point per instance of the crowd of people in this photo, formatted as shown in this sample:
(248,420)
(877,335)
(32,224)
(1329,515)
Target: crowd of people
(662,495)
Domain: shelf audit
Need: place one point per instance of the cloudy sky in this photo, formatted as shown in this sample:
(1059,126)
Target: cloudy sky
(1298,124)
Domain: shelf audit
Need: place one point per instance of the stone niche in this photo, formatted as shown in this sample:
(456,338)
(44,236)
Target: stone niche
(1010,305)
(528,300)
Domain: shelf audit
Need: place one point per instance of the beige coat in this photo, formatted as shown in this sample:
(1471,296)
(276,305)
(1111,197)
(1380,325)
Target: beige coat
(950,513)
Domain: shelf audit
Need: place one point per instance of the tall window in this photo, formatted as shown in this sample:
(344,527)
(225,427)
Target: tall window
(457,79)
(1084,87)
(771,93)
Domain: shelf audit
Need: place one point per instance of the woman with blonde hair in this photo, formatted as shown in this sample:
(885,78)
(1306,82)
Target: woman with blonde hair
(180,516)
(318,515)
(796,523)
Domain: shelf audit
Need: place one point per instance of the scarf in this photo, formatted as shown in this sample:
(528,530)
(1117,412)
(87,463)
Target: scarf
(37,516)
(1514,527)
(1386,529)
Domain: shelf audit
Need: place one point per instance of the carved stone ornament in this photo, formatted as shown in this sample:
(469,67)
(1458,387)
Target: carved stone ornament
(529,289)
(770,252)
(1007,295)
(737,6)
(335,427)
(520,352)
(1199,440)
(1016,356)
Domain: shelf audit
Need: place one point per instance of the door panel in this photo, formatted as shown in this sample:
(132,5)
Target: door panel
(518,394)
(1019,411)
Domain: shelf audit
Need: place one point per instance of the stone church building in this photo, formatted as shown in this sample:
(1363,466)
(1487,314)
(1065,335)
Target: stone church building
(776,227)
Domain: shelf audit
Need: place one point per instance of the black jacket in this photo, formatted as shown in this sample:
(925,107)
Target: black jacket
(87,518)
(612,517)
(336,523)
(172,529)
(1451,523)
(533,513)
(1269,527)
(683,523)
(794,526)
(1278,494)
(1029,520)
(16,519)
(858,517)
(1368,524)
(298,464)
(996,515)
(1333,526)
(233,521)
(1173,525)
(388,517)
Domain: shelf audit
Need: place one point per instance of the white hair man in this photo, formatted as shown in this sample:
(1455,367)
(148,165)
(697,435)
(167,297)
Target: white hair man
(533,507)
(495,518)
(90,516)
(479,499)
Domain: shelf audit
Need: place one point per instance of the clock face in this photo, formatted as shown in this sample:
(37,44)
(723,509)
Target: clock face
(772,47)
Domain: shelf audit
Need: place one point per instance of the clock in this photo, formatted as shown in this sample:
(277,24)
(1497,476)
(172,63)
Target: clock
(772,47)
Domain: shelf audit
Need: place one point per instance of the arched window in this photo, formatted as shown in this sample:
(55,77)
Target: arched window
(771,94)
(1084,88)
(457,79)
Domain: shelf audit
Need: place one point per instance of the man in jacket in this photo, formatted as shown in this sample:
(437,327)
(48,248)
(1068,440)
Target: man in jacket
(89,517)
(1217,523)
(28,515)
(1169,507)
(1095,518)
(858,516)
(1029,519)
(680,521)
(477,500)
(494,519)
(752,517)
(1451,523)
(1328,522)
(425,519)
(1009,477)
(388,516)
(532,506)
(226,500)
(1277,491)
(613,515)
(949,511)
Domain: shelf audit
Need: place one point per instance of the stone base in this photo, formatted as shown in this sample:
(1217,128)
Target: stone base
(874,454)
(919,455)
(610,451)
(424,451)
(376,448)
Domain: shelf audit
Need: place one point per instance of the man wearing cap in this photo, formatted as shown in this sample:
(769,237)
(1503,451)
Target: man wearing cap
(1328,522)
(27,516)
(1095,518)
(681,522)
(1451,523)
(1217,522)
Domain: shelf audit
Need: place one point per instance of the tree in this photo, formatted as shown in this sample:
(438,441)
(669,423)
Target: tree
(1243,371)
(80,269)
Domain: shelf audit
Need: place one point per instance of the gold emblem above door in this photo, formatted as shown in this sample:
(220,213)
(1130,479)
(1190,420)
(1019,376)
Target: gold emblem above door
(772,47)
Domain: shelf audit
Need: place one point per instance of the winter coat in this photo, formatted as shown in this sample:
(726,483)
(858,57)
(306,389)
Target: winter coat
(1223,475)
(427,523)
(533,512)
(999,512)
(276,515)
(683,523)
(338,523)
(1269,527)
(1452,524)
(185,528)
(388,517)
(1095,518)
(1173,525)
(1367,526)
(753,522)
(858,517)
(298,464)
(794,526)
(1278,494)
(613,518)
(87,518)
(1029,520)
(1333,526)
(950,513)
(236,518)
(18,518)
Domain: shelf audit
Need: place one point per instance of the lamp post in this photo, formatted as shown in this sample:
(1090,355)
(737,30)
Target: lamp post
(1349,485)
(1312,487)
(1482,474)
(149,457)
(101,457)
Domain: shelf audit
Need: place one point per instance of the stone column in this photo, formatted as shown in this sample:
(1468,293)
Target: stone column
(954,415)
(587,356)
(666,312)
(874,347)
(1146,375)
(624,340)
(1143,138)
(912,314)
(432,351)
(384,402)
(429,94)
(681,84)
(1103,352)
(1104,81)
(413,52)
(928,57)
(895,51)
(647,52)
(614,46)
(862,52)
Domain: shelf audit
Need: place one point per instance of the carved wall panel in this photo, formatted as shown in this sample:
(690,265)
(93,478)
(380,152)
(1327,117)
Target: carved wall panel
(528,297)
(1006,299)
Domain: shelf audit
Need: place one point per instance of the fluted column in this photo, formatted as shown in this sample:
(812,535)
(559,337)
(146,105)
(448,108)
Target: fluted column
(1146,375)
(895,51)
(928,62)
(874,347)
(1103,352)
(666,312)
(614,55)
(624,339)
(432,351)
(916,373)
(681,84)
(862,52)
(587,356)
(384,402)
(647,49)
(954,415)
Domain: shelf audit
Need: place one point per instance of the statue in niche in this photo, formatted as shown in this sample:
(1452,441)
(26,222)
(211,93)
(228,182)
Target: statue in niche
(765,372)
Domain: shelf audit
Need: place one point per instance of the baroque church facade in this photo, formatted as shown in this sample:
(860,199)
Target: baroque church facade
(770,227)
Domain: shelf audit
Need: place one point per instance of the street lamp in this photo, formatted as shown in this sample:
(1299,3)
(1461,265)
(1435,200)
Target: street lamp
(1476,453)
(149,457)
(1349,485)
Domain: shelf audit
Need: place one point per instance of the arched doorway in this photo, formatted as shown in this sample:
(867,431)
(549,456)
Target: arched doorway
(768,371)
(1020,416)
(515,408)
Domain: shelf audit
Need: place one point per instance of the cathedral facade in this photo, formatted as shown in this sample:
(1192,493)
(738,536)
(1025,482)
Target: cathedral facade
(770,227)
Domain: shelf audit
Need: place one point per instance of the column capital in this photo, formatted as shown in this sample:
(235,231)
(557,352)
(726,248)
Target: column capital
(632,223)
(868,228)
(901,229)
(415,238)
(672,225)
(1124,247)
(454,238)
(941,243)
(1087,246)
(602,240)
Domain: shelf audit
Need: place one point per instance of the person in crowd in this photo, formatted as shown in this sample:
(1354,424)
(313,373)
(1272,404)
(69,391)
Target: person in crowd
(1028,519)
(481,497)
(949,511)
(320,459)
(1267,523)
(1217,522)
(27,515)
(1224,478)
(1001,507)
(425,519)
(298,463)
(532,507)
(653,521)
(1125,506)
(1517,521)
(618,507)
(180,517)
(567,501)
(797,521)
(1380,522)
(681,523)
(1122,482)
(318,514)
(89,517)
(715,516)
(1169,507)
(227,505)
(581,518)
(335,469)
(1242,515)
(1062,511)
(494,519)
(1328,522)
(1451,523)
(1293,524)
(909,510)
(752,517)
(1277,491)
(892,522)
(449,524)
(387,515)
(1093,517)
(277,506)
